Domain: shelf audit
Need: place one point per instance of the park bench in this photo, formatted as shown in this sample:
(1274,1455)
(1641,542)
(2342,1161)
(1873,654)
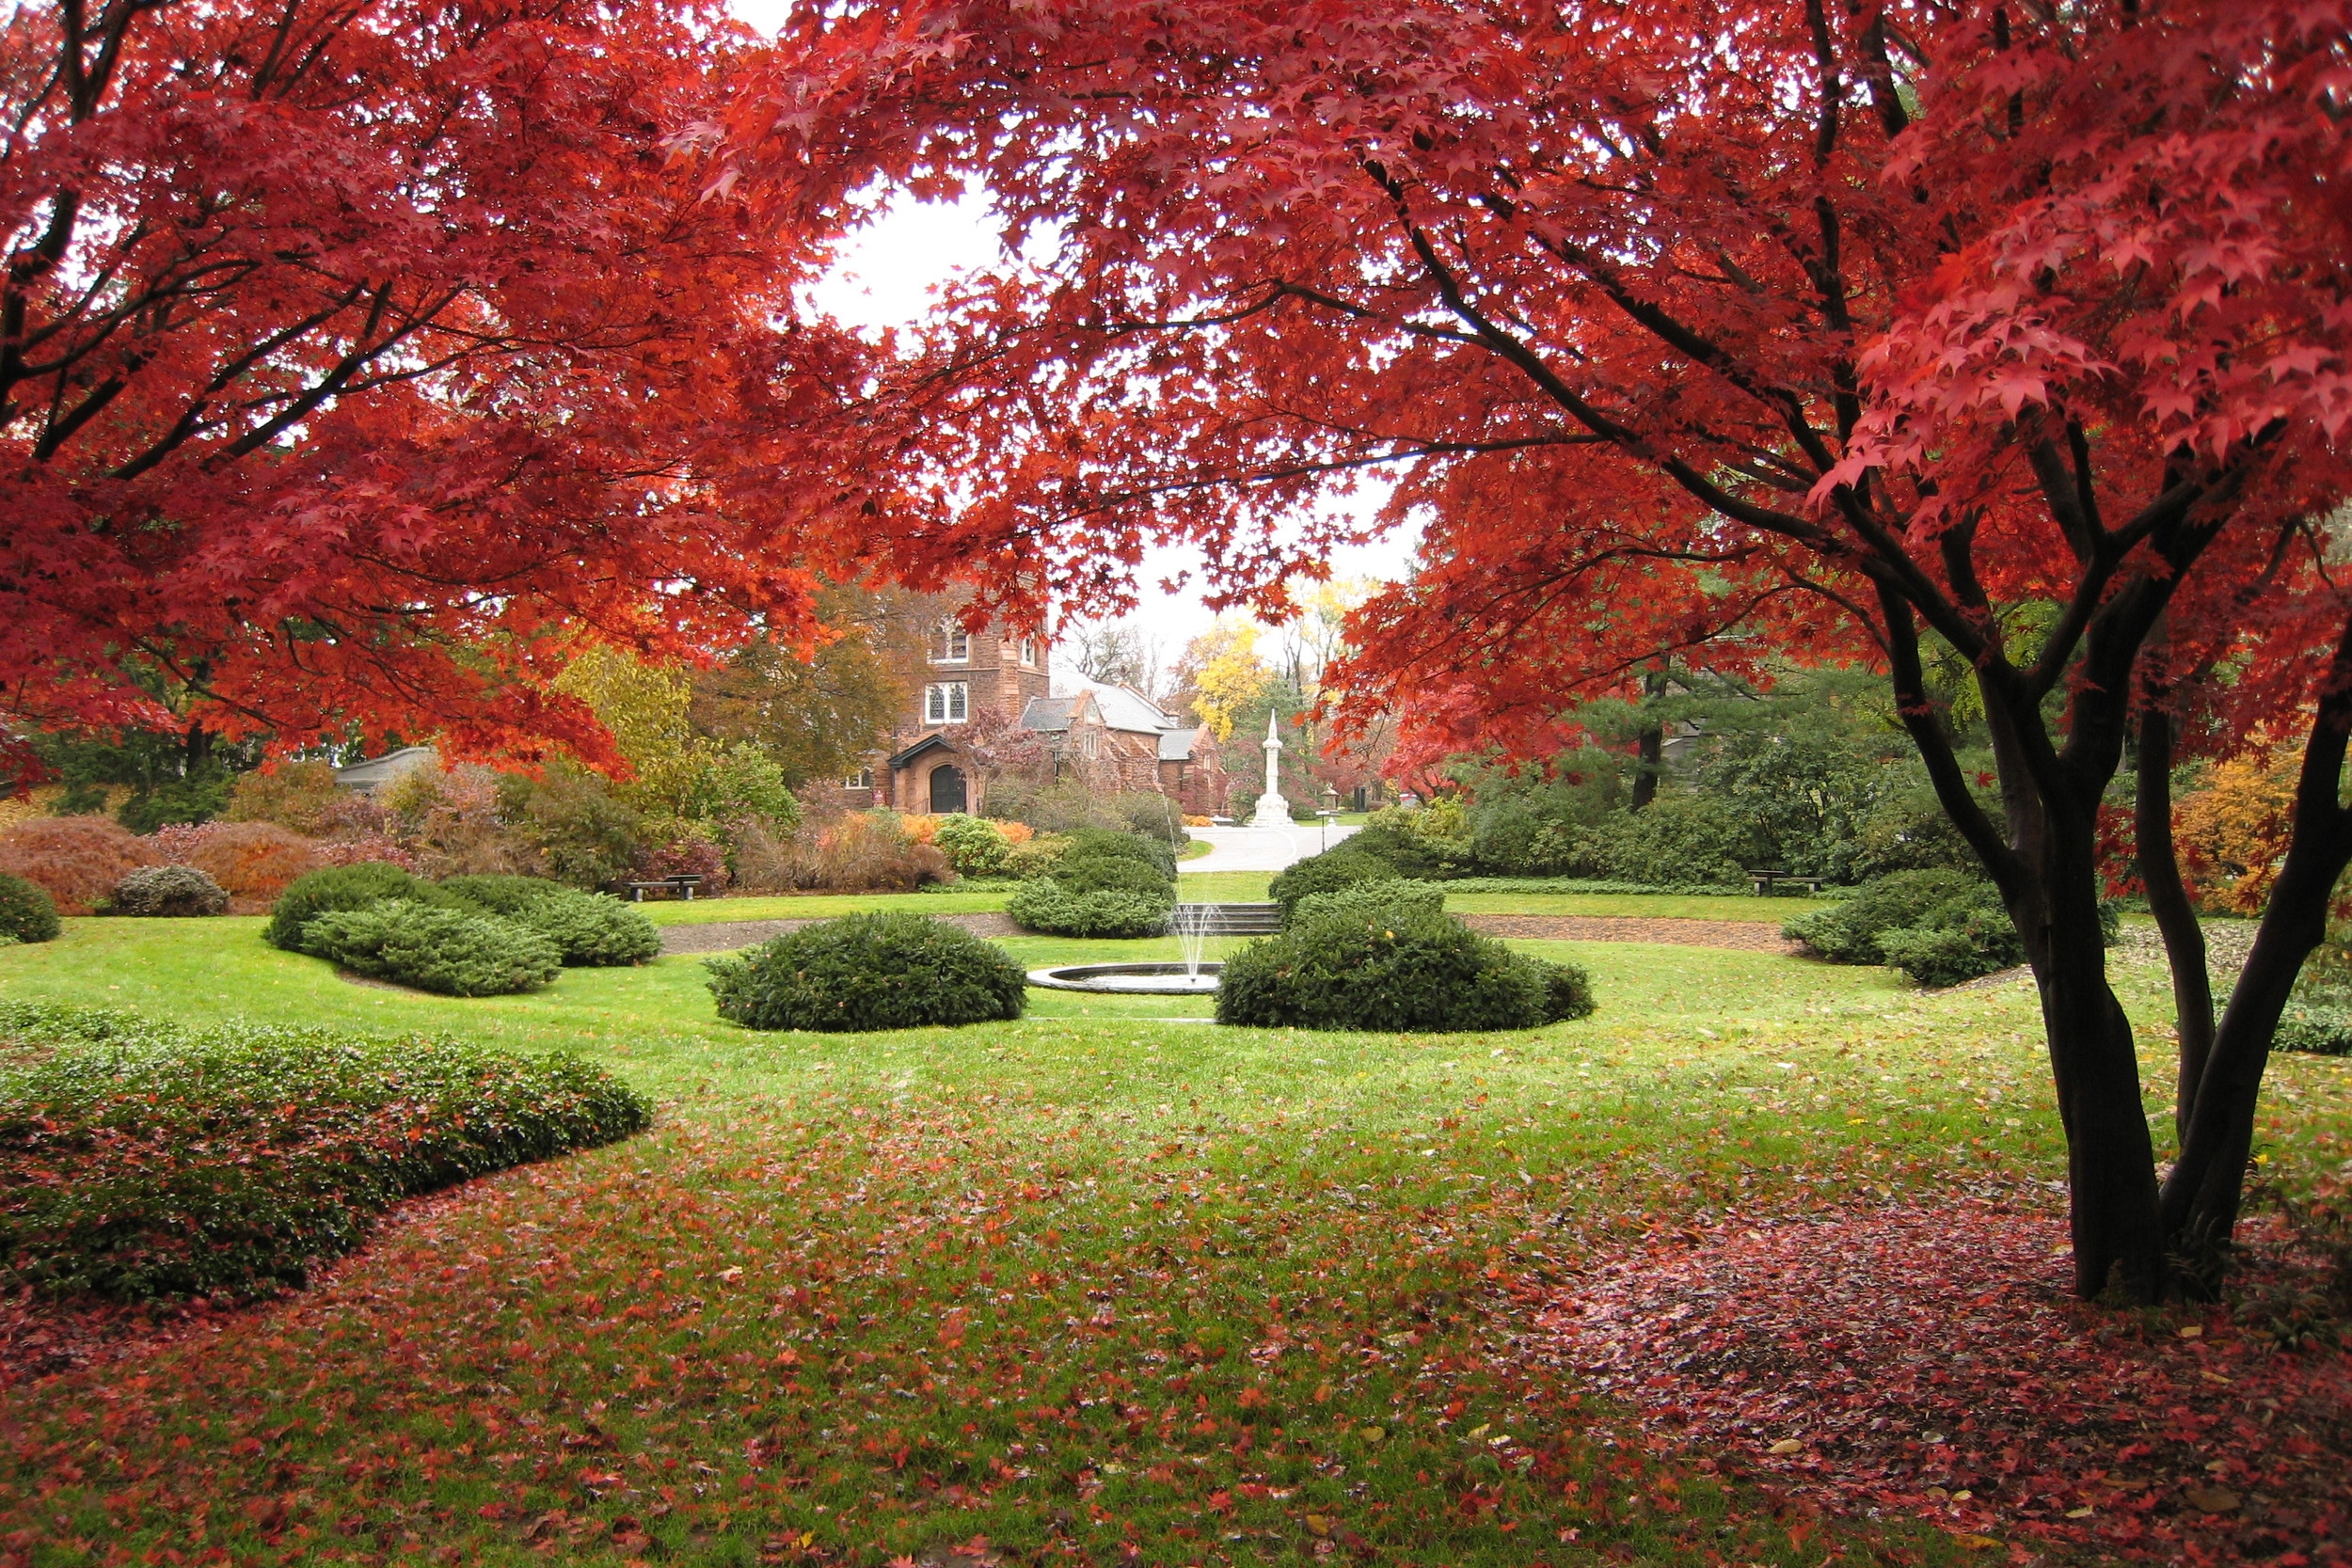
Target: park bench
(665,887)
(1766,880)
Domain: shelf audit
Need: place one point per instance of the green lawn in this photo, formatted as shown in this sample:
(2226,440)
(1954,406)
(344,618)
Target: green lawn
(1097,1287)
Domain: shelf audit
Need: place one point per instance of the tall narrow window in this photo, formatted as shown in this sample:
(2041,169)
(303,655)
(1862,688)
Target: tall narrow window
(953,645)
(946,703)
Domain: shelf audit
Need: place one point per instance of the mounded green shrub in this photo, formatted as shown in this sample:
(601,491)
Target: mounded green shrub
(1113,874)
(589,929)
(1105,884)
(1048,906)
(1567,991)
(1847,931)
(972,845)
(142,1158)
(1091,843)
(1328,872)
(343,887)
(1939,927)
(1429,973)
(592,930)
(28,914)
(869,971)
(502,895)
(167,890)
(455,952)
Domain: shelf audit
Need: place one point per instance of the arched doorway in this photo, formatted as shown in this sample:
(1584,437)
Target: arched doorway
(947,791)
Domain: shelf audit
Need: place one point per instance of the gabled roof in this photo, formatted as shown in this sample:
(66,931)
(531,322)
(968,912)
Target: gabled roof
(1124,707)
(1050,715)
(1176,745)
(384,770)
(929,741)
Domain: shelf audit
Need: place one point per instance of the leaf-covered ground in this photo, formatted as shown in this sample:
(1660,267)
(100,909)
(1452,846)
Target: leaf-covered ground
(1931,1361)
(1097,1289)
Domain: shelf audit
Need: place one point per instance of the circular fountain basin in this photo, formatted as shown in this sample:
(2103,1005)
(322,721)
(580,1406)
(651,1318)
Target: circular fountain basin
(1164,979)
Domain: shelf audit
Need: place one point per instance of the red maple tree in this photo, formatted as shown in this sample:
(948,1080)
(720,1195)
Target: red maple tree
(356,359)
(1763,326)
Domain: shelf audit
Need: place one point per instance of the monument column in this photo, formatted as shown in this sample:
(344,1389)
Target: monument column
(1273,811)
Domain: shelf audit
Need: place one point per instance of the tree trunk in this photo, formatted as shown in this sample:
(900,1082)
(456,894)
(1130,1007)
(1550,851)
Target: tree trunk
(2203,1194)
(2119,1240)
(2167,899)
(1652,742)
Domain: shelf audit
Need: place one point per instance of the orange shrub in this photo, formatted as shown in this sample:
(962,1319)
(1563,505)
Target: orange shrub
(75,859)
(298,794)
(1016,833)
(863,852)
(2233,833)
(922,830)
(253,861)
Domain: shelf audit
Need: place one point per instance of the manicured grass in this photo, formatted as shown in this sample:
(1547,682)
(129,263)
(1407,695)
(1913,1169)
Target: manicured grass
(1222,887)
(1093,1286)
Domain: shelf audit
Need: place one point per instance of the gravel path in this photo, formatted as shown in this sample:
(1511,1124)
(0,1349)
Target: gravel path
(726,936)
(1754,936)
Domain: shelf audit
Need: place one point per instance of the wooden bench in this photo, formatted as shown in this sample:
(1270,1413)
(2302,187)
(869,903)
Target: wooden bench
(1766,880)
(668,887)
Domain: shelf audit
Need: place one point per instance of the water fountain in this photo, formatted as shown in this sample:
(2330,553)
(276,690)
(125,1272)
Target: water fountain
(1191,926)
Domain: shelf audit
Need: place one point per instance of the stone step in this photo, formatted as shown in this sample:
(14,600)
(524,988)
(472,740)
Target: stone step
(1229,920)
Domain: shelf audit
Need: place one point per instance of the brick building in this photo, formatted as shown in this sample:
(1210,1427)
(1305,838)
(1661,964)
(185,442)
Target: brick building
(986,688)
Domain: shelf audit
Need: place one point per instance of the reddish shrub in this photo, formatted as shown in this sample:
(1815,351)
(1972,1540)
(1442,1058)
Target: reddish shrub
(687,854)
(75,859)
(865,853)
(254,860)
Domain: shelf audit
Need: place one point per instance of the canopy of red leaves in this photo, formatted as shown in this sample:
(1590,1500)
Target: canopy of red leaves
(352,357)
(1677,323)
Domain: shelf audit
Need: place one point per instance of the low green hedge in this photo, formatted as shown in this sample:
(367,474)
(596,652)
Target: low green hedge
(140,1159)
(1049,906)
(28,914)
(869,971)
(589,929)
(457,952)
(1364,966)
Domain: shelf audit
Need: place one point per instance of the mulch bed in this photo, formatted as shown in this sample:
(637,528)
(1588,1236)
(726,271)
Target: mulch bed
(1756,936)
(1933,1363)
(726,936)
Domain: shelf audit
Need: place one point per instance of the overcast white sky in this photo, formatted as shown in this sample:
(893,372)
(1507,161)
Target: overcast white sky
(886,277)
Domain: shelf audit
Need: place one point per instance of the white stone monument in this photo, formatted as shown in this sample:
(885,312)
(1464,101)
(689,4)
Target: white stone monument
(1273,811)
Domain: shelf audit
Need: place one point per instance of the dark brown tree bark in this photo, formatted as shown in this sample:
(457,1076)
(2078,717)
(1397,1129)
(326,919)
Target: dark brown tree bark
(2167,899)
(1651,743)
(2203,1194)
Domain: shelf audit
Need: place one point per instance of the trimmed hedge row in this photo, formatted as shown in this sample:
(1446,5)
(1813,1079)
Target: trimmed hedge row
(469,936)
(141,1159)
(869,971)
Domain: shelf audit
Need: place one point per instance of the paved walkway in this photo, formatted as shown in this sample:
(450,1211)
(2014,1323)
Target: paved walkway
(1260,848)
(1756,936)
